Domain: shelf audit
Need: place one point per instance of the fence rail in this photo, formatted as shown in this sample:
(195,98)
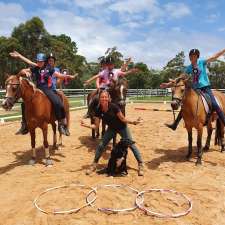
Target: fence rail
(82,93)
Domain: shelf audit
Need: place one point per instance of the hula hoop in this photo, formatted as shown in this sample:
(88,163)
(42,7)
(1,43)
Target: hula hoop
(107,210)
(75,210)
(157,214)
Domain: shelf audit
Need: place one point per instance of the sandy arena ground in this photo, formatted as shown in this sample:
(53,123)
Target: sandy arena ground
(165,167)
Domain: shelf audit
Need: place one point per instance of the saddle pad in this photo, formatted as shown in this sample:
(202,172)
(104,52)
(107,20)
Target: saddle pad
(206,106)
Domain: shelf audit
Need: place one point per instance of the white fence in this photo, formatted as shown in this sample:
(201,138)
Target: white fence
(82,93)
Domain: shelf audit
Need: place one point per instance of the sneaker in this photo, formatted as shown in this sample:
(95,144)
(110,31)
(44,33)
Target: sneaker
(91,169)
(140,169)
(62,129)
(67,131)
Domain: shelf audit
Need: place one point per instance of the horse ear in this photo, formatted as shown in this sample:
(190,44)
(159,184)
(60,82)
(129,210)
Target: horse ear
(7,76)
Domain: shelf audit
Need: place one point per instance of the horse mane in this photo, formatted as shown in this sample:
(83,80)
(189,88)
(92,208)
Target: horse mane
(30,83)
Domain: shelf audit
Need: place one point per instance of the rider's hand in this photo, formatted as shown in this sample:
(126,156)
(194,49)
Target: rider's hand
(15,54)
(85,83)
(163,85)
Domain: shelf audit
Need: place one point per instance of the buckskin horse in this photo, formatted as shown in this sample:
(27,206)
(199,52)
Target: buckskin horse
(195,115)
(38,111)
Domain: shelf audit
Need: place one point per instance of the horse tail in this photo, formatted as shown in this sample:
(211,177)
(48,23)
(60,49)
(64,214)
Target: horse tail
(218,138)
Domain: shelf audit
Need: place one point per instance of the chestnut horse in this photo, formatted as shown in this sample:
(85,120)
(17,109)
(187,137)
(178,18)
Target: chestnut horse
(194,114)
(38,111)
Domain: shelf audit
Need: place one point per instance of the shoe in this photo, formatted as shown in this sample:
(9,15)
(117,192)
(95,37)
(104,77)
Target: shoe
(91,169)
(62,129)
(140,169)
(67,131)
(171,126)
(23,129)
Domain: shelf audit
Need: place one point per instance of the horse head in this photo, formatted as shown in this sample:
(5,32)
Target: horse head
(179,86)
(118,91)
(13,93)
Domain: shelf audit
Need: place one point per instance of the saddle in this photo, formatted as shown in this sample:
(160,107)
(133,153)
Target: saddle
(206,100)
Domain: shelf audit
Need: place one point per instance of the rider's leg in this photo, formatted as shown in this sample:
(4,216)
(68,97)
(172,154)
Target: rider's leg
(58,109)
(23,129)
(125,134)
(174,125)
(215,105)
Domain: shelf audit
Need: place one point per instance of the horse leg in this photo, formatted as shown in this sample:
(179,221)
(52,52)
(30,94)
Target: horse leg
(199,145)
(209,134)
(222,138)
(92,130)
(60,142)
(188,156)
(48,161)
(33,158)
(54,146)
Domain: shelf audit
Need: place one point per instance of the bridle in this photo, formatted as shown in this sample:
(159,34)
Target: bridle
(15,98)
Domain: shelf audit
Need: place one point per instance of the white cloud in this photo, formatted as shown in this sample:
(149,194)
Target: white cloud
(90,3)
(11,15)
(212,17)
(177,10)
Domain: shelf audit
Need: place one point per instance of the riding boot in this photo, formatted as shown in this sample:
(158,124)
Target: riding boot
(23,129)
(61,127)
(174,125)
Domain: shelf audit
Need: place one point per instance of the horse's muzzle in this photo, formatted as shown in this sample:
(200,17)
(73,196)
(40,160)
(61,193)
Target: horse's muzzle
(175,104)
(7,104)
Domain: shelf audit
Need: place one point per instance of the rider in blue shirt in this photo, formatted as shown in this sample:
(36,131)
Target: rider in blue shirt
(197,69)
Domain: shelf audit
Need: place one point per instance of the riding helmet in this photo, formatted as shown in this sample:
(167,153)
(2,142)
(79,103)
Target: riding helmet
(194,52)
(40,57)
(51,55)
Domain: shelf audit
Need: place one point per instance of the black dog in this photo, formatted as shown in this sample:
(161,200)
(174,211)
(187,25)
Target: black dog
(117,162)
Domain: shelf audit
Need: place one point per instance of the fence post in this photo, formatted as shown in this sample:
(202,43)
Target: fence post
(84,95)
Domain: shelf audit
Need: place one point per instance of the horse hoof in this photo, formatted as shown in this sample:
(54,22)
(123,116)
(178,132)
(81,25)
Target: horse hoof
(54,147)
(188,157)
(31,162)
(223,150)
(206,149)
(48,162)
(198,162)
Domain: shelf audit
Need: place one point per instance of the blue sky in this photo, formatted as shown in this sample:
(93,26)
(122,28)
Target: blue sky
(152,31)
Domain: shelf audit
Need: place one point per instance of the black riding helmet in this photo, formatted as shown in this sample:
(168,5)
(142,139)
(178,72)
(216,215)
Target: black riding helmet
(194,52)
(51,55)
(109,60)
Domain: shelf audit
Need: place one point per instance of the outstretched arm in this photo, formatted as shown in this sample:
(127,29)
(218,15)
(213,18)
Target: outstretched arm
(63,76)
(92,126)
(124,66)
(125,120)
(91,79)
(216,56)
(17,55)
(131,71)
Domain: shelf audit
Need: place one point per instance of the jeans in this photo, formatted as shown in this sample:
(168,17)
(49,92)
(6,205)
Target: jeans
(56,102)
(215,105)
(109,134)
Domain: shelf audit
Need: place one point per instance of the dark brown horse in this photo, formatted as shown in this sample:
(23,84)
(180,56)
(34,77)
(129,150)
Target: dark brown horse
(194,114)
(118,93)
(38,111)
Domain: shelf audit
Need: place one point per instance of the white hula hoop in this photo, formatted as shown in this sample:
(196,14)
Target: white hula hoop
(157,214)
(107,210)
(64,211)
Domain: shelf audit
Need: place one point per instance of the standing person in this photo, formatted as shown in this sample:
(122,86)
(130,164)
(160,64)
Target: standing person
(117,123)
(197,69)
